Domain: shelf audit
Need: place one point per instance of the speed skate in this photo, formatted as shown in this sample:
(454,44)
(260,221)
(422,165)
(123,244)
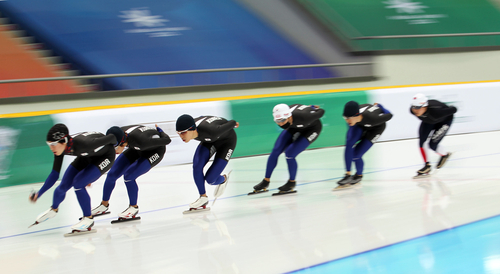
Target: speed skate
(79,232)
(122,220)
(284,192)
(347,186)
(199,209)
(199,205)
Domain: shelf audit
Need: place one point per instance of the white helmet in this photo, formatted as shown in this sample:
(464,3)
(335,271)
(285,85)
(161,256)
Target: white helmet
(419,100)
(281,112)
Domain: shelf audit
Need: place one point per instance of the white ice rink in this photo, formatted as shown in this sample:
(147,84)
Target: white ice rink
(260,233)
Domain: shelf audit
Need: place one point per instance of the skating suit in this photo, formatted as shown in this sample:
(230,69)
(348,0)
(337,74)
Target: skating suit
(373,122)
(145,142)
(437,118)
(90,148)
(306,122)
(217,134)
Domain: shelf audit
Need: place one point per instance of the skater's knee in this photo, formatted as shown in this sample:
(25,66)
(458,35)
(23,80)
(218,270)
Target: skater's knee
(211,179)
(128,177)
(433,146)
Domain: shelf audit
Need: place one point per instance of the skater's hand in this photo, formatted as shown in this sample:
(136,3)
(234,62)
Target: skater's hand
(237,125)
(315,107)
(33,197)
(158,129)
(89,185)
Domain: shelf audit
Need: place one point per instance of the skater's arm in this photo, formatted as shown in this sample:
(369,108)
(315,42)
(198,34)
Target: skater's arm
(154,141)
(49,182)
(109,139)
(223,128)
(52,178)
(317,113)
(444,111)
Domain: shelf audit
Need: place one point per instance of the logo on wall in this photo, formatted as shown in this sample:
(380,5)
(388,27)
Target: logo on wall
(8,143)
(152,25)
(414,12)
(405,6)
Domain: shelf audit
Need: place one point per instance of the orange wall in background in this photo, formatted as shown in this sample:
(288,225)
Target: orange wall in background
(19,63)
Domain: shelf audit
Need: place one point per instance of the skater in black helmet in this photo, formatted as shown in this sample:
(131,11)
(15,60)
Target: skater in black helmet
(436,117)
(302,126)
(95,154)
(216,136)
(366,123)
(146,148)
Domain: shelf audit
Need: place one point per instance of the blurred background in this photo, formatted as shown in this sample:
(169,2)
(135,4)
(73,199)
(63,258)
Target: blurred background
(60,61)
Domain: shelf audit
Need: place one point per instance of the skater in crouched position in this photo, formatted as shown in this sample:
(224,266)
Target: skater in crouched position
(216,136)
(95,156)
(366,123)
(146,148)
(436,117)
(302,126)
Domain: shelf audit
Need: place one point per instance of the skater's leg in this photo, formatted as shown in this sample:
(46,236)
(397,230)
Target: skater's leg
(439,132)
(284,139)
(119,167)
(200,159)
(87,176)
(354,134)
(360,149)
(213,176)
(137,169)
(66,184)
(291,152)
(423,134)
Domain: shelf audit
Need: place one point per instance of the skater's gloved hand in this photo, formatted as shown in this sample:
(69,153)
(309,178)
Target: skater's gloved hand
(314,107)
(237,125)
(159,129)
(33,197)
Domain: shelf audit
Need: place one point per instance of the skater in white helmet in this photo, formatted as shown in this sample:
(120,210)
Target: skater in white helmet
(302,126)
(436,117)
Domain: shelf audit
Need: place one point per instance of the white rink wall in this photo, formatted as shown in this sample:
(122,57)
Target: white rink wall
(477,106)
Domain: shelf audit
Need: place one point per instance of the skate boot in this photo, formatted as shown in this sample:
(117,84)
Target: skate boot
(260,187)
(349,182)
(443,160)
(50,213)
(346,180)
(423,172)
(83,227)
(198,205)
(287,188)
(219,189)
(129,214)
(100,210)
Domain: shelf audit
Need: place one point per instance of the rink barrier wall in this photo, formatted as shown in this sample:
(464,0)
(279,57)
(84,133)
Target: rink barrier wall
(24,155)
(25,158)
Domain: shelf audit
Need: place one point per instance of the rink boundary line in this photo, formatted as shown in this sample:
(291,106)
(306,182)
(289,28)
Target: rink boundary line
(229,98)
(393,244)
(273,189)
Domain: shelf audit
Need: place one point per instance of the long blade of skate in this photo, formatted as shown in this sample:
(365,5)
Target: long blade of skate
(35,223)
(258,192)
(75,233)
(122,220)
(284,193)
(420,176)
(105,213)
(195,210)
(214,201)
